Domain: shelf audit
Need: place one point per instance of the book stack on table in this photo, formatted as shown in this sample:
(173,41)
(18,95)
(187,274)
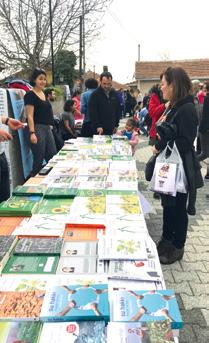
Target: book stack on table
(77,263)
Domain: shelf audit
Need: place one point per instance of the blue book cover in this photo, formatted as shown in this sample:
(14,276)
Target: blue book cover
(134,306)
(76,302)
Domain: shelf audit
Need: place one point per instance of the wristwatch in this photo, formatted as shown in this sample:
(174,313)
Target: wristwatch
(32,132)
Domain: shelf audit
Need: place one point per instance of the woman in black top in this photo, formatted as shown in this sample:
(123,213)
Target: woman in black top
(182,119)
(40,121)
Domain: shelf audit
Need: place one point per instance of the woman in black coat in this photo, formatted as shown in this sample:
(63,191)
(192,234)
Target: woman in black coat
(182,118)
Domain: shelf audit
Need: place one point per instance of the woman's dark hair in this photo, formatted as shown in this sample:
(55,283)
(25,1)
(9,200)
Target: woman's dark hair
(207,86)
(91,83)
(131,122)
(157,90)
(36,72)
(180,81)
(76,93)
(68,105)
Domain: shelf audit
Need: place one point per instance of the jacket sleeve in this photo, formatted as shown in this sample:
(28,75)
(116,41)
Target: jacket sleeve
(118,113)
(93,111)
(155,107)
(204,122)
(84,103)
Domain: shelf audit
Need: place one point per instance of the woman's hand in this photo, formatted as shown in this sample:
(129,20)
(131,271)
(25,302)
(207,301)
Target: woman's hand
(33,138)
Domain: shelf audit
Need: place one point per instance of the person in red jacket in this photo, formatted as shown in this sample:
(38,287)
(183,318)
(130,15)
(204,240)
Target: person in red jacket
(155,109)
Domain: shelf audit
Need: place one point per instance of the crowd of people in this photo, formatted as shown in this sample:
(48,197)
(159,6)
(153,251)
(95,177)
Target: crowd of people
(178,102)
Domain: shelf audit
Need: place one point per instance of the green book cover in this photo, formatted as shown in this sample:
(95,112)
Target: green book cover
(54,206)
(31,265)
(55,192)
(122,158)
(19,206)
(29,190)
(38,246)
(91,192)
(11,332)
(121,192)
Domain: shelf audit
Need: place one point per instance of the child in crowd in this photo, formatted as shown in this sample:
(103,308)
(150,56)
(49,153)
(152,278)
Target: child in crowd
(131,133)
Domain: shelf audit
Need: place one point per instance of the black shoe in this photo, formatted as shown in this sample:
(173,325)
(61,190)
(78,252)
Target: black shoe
(156,195)
(163,245)
(172,255)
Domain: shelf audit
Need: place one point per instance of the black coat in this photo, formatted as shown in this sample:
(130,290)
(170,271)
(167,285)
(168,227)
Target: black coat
(104,111)
(185,123)
(204,122)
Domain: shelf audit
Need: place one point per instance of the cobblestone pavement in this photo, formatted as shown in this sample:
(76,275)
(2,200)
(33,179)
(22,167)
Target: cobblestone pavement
(190,277)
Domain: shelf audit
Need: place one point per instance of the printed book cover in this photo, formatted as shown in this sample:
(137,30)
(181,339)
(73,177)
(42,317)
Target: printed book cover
(42,225)
(62,192)
(19,206)
(89,204)
(25,305)
(79,249)
(137,270)
(83,232)
(54,206)
(113,248)
(75,303)
(31,265)
(149,306)
(29,190)
(77,265)
(74,332)
(7,243)
(38,246)
(20,332)
(144,332)
(34,181)
(8,224)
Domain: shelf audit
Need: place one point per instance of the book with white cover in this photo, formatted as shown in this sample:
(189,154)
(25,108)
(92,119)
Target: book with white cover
(87,218)
(124,228)
(89,205)
(77,265)
(122,249)
(79,249)
(72,332)
(42,225)
(117,165)
(140,332)
(136,270)
(115,284)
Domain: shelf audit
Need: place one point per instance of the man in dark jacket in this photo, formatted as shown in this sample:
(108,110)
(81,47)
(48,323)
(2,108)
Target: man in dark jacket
(104,107)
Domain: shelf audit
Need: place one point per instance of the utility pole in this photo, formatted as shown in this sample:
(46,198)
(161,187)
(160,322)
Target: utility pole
(51,38)
(81,46)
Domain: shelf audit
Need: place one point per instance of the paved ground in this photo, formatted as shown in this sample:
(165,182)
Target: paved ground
(189,277)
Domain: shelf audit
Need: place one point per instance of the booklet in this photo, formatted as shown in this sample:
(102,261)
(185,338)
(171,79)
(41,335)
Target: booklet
(142,305)
(72,332)
(76,302)
(38,246)
(77,265)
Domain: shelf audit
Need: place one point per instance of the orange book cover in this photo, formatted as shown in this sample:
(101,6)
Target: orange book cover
(82,232)
(34,181)
(8,224)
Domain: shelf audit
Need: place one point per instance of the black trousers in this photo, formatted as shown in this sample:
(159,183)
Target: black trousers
(45,147)
(175,221)
(4,178)
(86,130)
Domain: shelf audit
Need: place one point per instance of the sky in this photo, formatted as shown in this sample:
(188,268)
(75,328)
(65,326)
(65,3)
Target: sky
(169,29)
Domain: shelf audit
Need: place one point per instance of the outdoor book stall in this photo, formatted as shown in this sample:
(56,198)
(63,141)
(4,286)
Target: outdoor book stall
(77,263)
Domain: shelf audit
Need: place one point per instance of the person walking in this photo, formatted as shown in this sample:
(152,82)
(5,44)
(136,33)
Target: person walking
(181,114)
(104,107)
(40,121)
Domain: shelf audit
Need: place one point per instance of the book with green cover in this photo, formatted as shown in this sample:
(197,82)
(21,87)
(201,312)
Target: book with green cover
(55,192)
(91,192)
(31,264)
(11,332)
(29,190)
(54,206)
(19,206)
(38,246)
